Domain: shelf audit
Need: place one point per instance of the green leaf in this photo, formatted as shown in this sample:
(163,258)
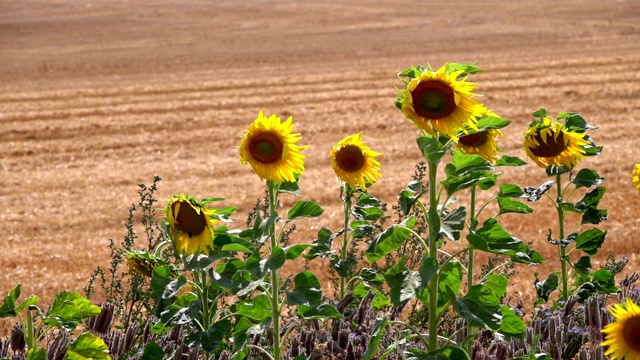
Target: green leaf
(453,224)
(591,199)
(305,209)
(294,251)
(534,194)
(344,267)
(290,188)
(590,241)
(449,282)
(211,339)
(379,328)
(152,351)
(491,122)
(324,311)
(277,259)
(69,309)
(483,179)
(223,274)
(236,248)
(477,313)
(545,288)
(198,261)
(258,308)
(446,352)
(432,149)
(511,324)
(574,122)
(402,283)
(408,197)
(508,205)
(540,113)
(37,354)
(307,290)
(587,178)
(367,212)
(510,190)
(604,281)
(428,269)
(583,266)
(594,216)
(380,301)
(465,68)
(240,335)
(390,239)
(510,161)
(8,308)
(242,284)
(174,287)
(87,346)
(322,245)
(494,239)
(462,164)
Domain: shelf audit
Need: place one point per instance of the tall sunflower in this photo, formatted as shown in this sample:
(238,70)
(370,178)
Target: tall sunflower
(441,101)
(636,176)
(354,162)
(623,335)
(550,143)
(191,225)
(270,148)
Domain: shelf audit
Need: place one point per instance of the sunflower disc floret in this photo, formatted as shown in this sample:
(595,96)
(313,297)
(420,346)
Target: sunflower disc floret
(354,163)
(270,148)
(191,225)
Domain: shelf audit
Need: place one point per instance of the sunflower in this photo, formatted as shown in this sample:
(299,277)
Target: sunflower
(191,225)
(441,102)
(142,264)
(354,162)
(270,148)
(550,143)
(623,335)
(636,176)
(483,143)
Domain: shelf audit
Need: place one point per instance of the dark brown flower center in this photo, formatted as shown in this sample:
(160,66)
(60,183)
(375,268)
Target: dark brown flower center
(554,146)
(433,99)
(350,158)
(474,140)
(188,220)
(266,147)
(631,332)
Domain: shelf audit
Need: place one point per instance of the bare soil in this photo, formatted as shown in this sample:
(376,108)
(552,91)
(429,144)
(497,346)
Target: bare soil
(97,97)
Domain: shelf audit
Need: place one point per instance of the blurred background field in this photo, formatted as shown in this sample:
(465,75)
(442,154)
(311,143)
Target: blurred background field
(97,97)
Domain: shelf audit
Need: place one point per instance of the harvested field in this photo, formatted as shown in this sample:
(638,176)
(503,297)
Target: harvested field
(98,97)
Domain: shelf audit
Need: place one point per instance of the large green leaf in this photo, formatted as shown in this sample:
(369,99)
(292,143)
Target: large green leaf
(390,239)
(545,288)
(446,352)
(491,237)
(152,351)
(380,301)
(212,339)
(305,209)
(323,311)
(508,205)
(276,260)
(462,164)
(510,190)
(402,283)
(379,328)
(453,224)
(294,251)
(322,245)
(590,241)
(408,197)
(258,308)
(591,199)
(68,310)
(37,354)
(511,324)
(9,307)
(449,282)
(224,272)
(587,178)
(87,346)
(481,178)
(307,290)
(432,149)
(506,160)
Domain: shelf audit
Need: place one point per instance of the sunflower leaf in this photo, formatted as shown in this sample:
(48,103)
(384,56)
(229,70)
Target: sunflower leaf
(9,308)
(545,288)
(453,224)
(290,187)
(152,351)
(540,113)
(462,164)
(594,216)
(69,309)
(257,308)
(87,346)
(324,311)
(483,179)
(534,194)
(379,328)
(390,239)
(410,195)
(307,290)
(510,190)
(432,149)
(212,339)
(380,301)
(491,237)
(465,68)
(587,178)
(590,241)
(508,205)
(510,161)
(449,282)
(305,209)
(321,246)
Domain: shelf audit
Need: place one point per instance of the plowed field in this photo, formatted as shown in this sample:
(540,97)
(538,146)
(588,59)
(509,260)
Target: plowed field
(97,97)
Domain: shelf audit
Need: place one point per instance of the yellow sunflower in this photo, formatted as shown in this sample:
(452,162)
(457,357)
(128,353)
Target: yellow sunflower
(636,176)
(354,162)
(550,143)
(191,225)
(270,148)
(142,264)
(623,335)
(483,143)
(437,101)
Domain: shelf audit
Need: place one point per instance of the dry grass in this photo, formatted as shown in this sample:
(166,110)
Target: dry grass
(96,98)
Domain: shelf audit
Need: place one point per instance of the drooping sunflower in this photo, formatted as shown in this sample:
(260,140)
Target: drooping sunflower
(441,101)
(483,143)
(270,148)
(191,225)
(623,334)
(550,143)
(354,162)
(142,264)
(636,176)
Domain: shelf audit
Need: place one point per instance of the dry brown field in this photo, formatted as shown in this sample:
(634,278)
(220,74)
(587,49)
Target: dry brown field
(99,96)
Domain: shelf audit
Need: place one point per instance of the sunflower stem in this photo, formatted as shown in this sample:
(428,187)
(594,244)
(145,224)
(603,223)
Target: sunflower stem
(433,221)
(561,248)
(345,240)
(472,230)
(275,274)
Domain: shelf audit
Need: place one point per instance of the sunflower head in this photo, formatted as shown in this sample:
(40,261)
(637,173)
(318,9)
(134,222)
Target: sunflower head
(483,141)
(354,162)
(141,263)
(623,334)
(636,176)
(440,101)
(191,225)
(270,148)
(550,143)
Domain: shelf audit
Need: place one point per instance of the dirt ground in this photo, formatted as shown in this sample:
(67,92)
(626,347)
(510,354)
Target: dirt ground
(97,97)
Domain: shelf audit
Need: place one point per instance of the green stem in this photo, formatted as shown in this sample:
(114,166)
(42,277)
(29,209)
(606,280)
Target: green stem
(562,250)
(472,229)
(433,221)
(275,274)
(413,329)
(345,240)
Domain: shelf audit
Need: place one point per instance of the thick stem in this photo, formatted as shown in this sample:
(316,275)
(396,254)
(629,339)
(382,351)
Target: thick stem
(433,221)
(561,249)
(345,240)
(275,274)
(472,229)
